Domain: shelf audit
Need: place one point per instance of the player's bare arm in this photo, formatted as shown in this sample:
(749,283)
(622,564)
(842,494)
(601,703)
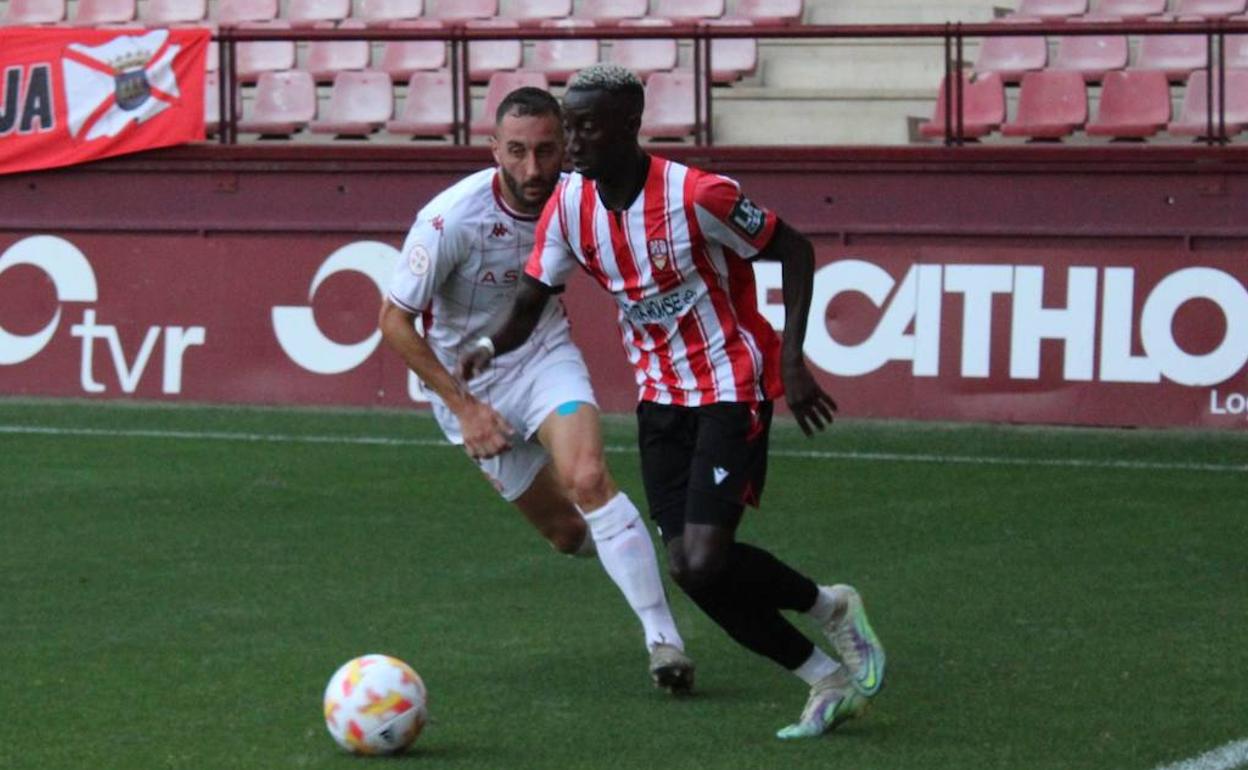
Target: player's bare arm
(811,406)
(507,331)
(485,431)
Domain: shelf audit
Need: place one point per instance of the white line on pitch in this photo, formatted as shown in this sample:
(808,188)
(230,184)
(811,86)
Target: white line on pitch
(291,438)
(1232,755)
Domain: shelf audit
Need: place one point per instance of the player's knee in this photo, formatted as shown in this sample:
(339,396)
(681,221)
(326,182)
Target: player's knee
(696,568)
(589,483)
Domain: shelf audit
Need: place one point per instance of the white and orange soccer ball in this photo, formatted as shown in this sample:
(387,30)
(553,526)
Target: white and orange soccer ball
(375,704)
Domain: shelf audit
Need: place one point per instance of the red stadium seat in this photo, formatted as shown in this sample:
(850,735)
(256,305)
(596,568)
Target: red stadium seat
(326,58)
(464,10)
(1132,10)
(401,58)
(429,107)
(1010,57)
(485,57)
(644,56)
(309,13)
(1091,55)
(612,11)
(1134,105)
(232,13)
(384,13)
(558,60)
(770,11)
(732,58)
(1237,51)
(1052,105)
(983,108)
(688,11)
(534,12)
(91,13)
(163,13)
(1052,9)
(1193,116)
(1175,55)
(669,113)
(21,12)
(359,104)
(284,103)
(501,84)
(1210,9)
(265,56)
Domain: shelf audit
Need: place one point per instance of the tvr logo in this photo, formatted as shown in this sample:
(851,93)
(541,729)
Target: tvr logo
(74,281)
(304,342)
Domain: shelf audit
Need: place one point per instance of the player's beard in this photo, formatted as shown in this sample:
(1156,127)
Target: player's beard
(518,191)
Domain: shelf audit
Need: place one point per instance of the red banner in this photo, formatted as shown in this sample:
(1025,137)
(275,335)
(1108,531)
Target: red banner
(70,96)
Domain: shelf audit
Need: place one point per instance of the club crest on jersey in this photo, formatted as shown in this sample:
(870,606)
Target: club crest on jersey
(747,217)
(418,259)
(659,253)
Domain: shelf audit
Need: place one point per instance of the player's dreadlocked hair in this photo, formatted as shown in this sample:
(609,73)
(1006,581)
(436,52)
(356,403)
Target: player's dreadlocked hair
(526,101)
(612,79)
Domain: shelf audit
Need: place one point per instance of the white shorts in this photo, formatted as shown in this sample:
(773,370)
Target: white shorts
(551,381)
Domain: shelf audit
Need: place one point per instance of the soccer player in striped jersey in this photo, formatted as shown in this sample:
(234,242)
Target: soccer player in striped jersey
(672,244)
(531,422)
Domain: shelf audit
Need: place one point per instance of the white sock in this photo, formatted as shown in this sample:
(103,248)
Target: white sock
(626,553)
(586,548)
(816,667)
(827,606)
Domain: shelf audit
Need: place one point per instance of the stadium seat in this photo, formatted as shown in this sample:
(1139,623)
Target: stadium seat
(983,108)
(612,11)
(1193,117)
(464,10)
(1210,9)
(401,58)
(1010,57)
(670,99)
(359,104)
(770,11)
(644,56)
(485,57)
(1051,105)
(1134,105)
(326,58)
(559,59)
(689,11)
(1236,51)
(265,56)
(732,58)
(212,102)
(310,13)
(232,13)
(1132,10)
(1175,55)
(1052,9)
(501,84)
(429,107)
(384,13)
(534,12)
(92,13)
(1091,55)
(23,12)
(284,103)
(163,13)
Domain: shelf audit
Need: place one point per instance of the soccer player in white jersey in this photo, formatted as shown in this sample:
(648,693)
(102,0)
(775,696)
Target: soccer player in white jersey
(530,421)
(672,244)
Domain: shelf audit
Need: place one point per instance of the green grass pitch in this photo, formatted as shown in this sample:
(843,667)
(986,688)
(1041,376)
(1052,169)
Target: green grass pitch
(174,594)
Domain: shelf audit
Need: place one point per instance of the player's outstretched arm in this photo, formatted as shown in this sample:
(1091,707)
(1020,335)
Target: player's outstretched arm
(811,406)
(508,330)
(485,431)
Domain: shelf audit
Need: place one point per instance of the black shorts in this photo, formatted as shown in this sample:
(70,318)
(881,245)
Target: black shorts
(702,464)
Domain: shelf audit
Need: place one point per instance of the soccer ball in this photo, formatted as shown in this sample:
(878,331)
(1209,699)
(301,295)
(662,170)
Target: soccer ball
(375,704)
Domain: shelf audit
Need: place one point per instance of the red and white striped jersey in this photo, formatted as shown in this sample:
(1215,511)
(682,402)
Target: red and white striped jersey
(676,263)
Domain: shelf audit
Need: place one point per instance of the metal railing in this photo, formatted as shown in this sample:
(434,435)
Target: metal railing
(953,34)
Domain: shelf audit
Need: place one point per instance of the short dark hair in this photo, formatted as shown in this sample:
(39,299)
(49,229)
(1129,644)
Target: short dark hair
(525,101)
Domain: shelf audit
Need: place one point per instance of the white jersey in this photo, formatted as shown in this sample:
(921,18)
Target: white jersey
(461,264)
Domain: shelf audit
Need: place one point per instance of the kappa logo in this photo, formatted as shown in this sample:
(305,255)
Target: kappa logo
(129,79)
(500,231)
(658,250)
(437,223)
